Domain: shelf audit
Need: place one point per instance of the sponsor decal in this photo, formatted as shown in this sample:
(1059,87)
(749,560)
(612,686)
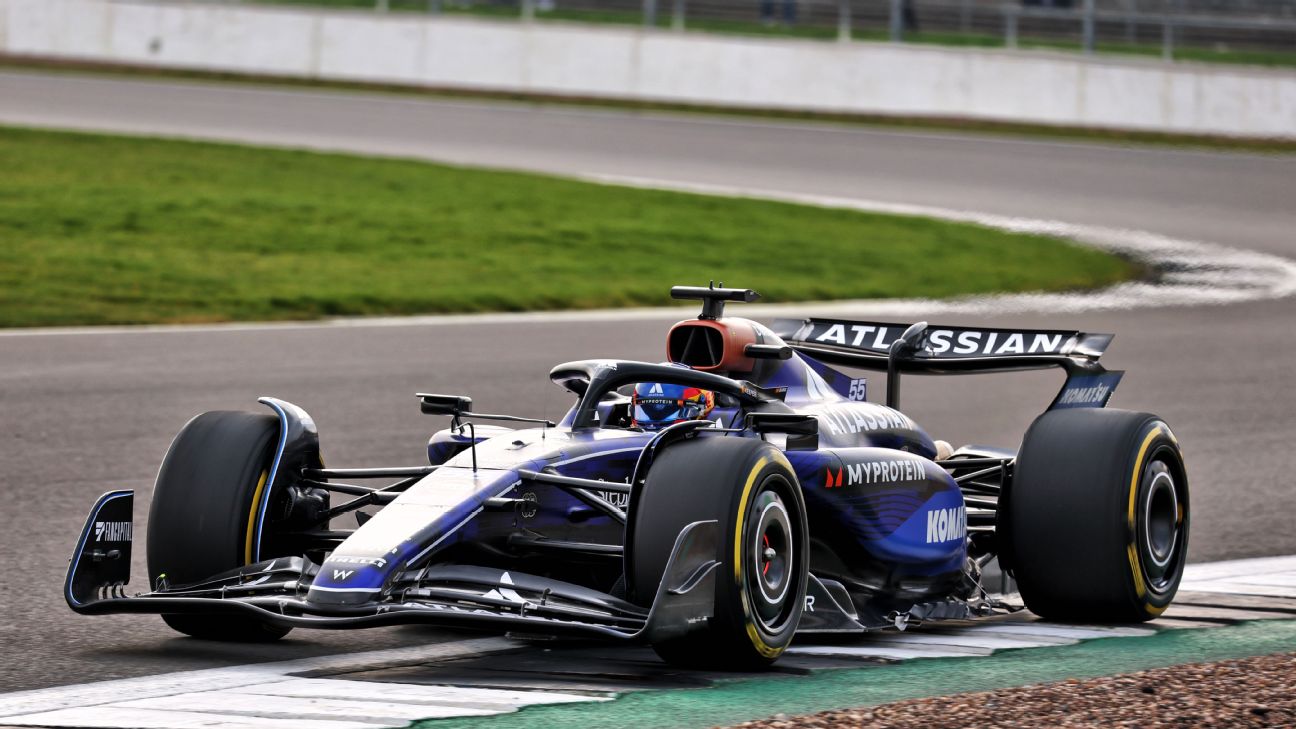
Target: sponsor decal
(378,562)
(946,525)
(809,603)
(1084,395)
(964,342)
(940,341)
(855,335)
(897,471)
(1087,391)
(833,482)
(530,617)
(113,531)
(615,498)
(858,390)
(530,505)
(505,591)
(342,575)
(842,419)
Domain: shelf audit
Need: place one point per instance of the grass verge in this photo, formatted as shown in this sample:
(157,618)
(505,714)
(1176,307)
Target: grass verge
(880,121)
(101,229)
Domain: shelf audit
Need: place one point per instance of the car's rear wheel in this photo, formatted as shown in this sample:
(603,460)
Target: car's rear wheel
(203,516)
(748,487)
(1099,516)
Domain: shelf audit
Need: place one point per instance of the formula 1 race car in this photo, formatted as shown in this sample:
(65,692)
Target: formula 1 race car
(712,506)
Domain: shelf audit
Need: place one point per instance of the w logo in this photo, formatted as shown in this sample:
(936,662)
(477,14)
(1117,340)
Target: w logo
(342,575)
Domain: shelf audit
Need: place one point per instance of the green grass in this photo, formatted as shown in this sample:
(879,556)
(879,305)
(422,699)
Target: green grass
(101,229)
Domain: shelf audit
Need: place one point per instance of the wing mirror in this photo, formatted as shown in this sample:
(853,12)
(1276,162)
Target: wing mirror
(768,351)
(802,430)
(455,405)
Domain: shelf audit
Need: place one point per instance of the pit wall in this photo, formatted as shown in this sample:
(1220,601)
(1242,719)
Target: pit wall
(651,65)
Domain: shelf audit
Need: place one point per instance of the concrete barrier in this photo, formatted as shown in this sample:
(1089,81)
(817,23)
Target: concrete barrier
(651,65)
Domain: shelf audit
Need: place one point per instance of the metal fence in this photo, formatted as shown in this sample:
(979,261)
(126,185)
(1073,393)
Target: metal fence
(1256,31)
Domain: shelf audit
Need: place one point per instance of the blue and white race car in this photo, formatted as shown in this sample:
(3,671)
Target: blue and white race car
(713,506)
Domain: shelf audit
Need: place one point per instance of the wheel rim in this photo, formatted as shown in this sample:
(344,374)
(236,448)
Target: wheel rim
(771,557)
(1161,537)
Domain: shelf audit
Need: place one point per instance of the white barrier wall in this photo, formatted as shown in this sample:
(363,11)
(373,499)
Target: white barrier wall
(627,63)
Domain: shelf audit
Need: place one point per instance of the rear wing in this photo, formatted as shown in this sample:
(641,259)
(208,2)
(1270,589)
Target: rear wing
(942,350)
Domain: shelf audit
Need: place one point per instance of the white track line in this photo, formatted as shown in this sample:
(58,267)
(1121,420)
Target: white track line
(235,703)
(1198,574)
(1188,273)
(266,695)
(875,651)
(471,698)
(1268,576)
(1201,612)
(1077,632)
(168,684)
(971,638)
(100,718)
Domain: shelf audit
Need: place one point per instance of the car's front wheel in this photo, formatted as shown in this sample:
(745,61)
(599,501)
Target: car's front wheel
(204,513)
(748,487)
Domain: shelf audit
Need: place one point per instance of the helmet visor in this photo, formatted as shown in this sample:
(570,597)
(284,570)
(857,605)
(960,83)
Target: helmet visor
(665,410)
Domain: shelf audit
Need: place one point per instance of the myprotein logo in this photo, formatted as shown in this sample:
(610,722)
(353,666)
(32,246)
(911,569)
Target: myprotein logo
(113,531)
(897,471)
(946,525)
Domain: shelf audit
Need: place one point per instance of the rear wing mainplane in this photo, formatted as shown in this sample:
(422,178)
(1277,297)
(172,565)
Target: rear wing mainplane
(943,350)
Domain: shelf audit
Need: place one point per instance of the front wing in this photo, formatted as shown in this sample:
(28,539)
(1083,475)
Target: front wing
(455,595)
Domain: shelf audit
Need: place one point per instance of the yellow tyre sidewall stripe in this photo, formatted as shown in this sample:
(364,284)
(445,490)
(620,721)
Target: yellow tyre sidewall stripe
(758,641)
(252,516)
(1136,566)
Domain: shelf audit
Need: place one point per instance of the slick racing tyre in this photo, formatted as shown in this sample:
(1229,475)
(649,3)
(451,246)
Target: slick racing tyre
(1098,516)
(203,514)
(748,487)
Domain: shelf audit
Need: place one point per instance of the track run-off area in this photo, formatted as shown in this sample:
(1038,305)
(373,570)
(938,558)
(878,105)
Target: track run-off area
(477,681)
(84,411)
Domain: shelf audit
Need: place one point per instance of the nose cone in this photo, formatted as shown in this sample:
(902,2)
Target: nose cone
(348,581)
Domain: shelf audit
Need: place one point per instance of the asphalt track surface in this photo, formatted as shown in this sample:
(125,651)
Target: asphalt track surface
(84,413)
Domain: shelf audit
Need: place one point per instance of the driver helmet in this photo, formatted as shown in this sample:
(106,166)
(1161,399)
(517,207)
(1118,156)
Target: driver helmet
(659,404)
